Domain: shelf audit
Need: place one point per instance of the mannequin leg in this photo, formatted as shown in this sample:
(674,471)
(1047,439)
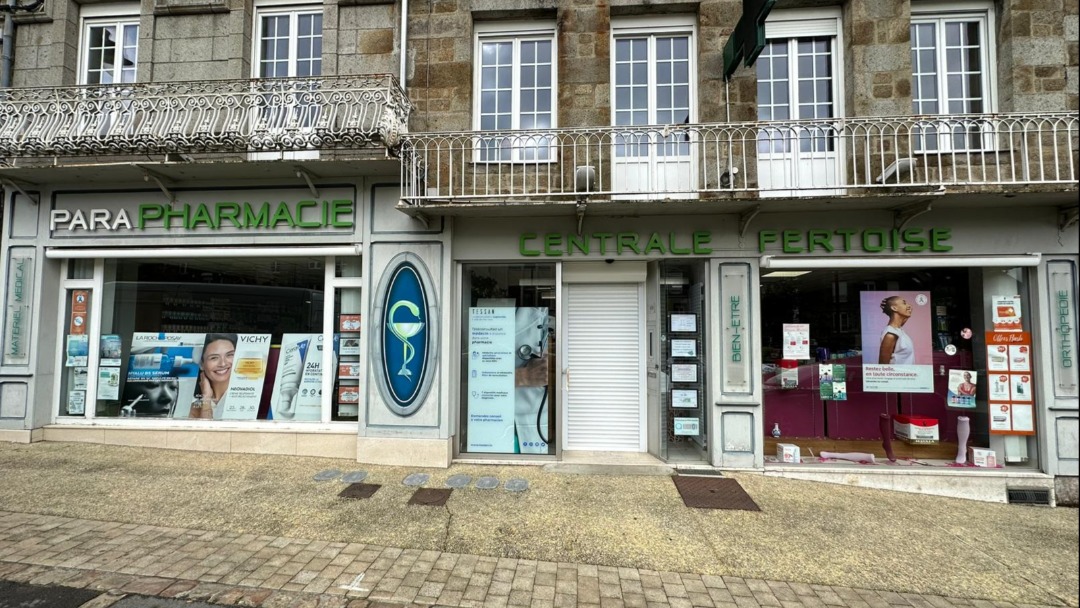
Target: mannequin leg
(963,431)
(885,426)
(852,456)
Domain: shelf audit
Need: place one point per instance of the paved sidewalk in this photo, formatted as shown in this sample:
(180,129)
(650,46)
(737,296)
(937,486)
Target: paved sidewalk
(279,572)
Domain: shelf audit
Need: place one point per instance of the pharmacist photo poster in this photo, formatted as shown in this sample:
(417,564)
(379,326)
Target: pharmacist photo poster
(896,341)
(298,383)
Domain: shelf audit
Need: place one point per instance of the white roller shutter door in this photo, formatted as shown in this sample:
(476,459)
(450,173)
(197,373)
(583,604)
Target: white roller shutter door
(604,405)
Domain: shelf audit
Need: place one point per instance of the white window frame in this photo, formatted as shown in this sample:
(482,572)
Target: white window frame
(120,14)
(293,114)
(792,24)
(654,26)
(515,32)
(941,13)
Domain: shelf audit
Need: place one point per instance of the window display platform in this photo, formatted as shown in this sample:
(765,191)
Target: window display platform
(321,443)
(810,449)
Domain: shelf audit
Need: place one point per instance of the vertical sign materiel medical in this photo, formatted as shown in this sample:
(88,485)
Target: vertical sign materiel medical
(19,308)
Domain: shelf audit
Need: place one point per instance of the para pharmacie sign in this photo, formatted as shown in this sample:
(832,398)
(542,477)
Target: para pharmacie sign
(203,213)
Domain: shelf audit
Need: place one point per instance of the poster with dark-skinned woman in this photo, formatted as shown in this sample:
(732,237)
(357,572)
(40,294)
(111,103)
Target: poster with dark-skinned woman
(897,352)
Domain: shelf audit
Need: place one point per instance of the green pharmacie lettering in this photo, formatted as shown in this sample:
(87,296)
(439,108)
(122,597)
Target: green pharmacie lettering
(557,244)
(870,240)
(306,214)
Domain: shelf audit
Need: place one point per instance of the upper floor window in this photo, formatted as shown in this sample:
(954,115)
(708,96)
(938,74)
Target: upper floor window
(289,42)
(653,72)
(515,88)
(109,47)
(951,60)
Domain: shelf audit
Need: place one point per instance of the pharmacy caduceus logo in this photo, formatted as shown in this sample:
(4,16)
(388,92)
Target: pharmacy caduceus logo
(406,340)
(403,330)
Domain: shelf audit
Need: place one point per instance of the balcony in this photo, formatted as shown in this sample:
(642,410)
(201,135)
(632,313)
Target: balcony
(365,113)
(695,166)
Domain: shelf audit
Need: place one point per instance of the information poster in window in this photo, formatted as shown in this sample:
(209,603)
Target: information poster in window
(298,384)
(962,388)
(490,389)
(796,340)
(1010,382)
(1005,311)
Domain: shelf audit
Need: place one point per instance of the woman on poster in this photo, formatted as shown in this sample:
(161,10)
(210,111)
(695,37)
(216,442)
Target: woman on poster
(896,346)
(967,387)
(215,372)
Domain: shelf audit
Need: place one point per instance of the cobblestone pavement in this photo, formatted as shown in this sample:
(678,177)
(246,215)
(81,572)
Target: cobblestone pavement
(278,572)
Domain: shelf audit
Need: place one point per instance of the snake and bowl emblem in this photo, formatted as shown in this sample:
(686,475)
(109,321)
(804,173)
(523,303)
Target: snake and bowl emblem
(405,336)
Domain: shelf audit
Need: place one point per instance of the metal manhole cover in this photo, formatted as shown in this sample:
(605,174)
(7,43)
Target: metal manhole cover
(416,479)
(430,497)
(516,484)
(354,477)
(327,475)
(713,493)
(487,483)
(359,490)
(458,481)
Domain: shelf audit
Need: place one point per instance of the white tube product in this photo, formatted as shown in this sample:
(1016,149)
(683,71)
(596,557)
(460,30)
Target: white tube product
(291,370)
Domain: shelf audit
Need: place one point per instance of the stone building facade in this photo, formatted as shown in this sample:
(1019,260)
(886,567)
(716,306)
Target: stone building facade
(541,155)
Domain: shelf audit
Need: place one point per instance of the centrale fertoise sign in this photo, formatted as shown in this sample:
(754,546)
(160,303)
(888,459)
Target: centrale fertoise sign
(870,240)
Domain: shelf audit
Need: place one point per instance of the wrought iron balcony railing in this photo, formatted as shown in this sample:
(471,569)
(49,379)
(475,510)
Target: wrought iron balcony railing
(837,157)
(271,115)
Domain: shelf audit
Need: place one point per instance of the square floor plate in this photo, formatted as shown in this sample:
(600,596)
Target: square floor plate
(432,497)
(713,493)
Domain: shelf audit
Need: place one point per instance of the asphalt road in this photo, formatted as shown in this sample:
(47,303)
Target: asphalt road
(19,595)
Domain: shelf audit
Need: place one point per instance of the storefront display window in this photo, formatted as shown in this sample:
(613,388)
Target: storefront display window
(508,361)
(899,367)
(208,339)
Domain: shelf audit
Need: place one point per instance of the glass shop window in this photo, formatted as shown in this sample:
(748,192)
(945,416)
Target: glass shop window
(906,367)
(508,359)
(213,339)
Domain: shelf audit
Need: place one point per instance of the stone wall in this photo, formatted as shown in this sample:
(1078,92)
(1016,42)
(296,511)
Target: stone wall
(1034,55)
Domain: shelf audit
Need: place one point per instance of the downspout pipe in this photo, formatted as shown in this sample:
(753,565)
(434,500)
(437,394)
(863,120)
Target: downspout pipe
(7,63)
(404,37)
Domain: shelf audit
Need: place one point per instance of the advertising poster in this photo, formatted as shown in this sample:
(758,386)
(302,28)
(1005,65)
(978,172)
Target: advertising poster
(78,349)
(896,341)
(76,404)
(348,395)
(1011,382)
(684,399)
(162,374)
(961,388)
(491,379)
(684,348)
(796,340)
(348,371)
(348,345)
(1005,311)
(349,323)
(79,302)
(298,384)
(832,381)
(79,376)
(244,377)
(684,372)
(108,384)
(111,349)
(687,426)
(789,374)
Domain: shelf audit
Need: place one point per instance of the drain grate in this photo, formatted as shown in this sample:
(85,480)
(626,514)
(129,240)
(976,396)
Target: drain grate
(1028,496)
(713,493)
(359,490)
(431,497)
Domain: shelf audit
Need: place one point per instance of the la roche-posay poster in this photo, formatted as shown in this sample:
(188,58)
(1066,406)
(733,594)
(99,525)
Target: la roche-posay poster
(298,383)
(897,351)
(491,392)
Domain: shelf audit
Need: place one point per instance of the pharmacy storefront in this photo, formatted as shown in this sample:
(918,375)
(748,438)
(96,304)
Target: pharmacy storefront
(796,343)
(223,308)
